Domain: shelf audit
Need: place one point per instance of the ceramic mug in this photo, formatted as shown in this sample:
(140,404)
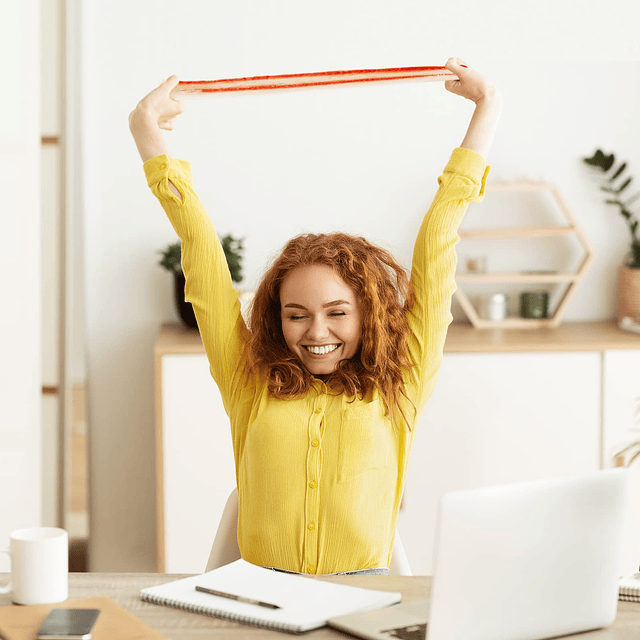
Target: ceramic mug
(39,566)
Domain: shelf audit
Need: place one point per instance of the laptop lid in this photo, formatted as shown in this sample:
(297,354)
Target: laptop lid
(528,560)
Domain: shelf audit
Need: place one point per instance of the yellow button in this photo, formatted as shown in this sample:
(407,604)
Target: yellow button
(313,484)
(318,410)
(163,166)
(311,569)
(315,443)
(311,526)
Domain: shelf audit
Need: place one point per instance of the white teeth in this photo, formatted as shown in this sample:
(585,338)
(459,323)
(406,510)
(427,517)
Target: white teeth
(322,350)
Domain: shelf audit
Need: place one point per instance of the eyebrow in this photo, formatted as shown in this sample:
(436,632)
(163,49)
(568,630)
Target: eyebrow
(334,303)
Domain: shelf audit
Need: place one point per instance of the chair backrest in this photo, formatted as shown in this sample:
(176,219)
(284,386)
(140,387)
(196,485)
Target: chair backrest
(225,545)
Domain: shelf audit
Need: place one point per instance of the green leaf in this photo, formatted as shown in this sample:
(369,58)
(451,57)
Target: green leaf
(624,185)
(233,249)
(635,253)
(600,160)
(620,169)
(171,258)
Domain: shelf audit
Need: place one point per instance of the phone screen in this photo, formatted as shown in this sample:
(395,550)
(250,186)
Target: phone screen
(68,624)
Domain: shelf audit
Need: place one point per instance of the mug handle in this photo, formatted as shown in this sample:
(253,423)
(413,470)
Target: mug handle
(7,587)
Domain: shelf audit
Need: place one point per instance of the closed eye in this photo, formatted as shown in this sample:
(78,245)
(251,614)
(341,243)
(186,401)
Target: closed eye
(337,313)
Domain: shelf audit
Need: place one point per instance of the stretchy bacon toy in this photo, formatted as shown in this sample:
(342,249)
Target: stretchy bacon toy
(318,79)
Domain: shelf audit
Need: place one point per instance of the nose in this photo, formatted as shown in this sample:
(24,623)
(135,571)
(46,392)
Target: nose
(318,330)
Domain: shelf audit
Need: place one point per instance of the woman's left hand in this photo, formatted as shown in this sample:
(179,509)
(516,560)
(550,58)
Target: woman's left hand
(488,100)
(470,84)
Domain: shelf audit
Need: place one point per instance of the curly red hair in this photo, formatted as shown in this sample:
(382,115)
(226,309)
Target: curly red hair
(385,295)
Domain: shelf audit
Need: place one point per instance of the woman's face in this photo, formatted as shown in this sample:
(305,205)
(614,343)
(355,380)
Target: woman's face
(321,318)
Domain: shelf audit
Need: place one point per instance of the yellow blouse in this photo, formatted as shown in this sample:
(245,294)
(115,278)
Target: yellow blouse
(319,478)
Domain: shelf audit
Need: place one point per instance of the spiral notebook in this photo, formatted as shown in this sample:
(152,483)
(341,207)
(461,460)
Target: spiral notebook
(269,599)
(629,588)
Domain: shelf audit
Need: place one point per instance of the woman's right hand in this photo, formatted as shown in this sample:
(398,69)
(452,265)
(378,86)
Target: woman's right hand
(158,106)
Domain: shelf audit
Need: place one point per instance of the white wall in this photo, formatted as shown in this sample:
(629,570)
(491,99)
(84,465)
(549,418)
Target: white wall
(360,159)
(20,341)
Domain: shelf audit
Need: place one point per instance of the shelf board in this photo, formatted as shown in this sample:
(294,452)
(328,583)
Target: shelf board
(517,277)
(514,322)
(517,232)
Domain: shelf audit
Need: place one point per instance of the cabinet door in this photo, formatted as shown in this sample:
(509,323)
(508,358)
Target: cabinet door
(499,418)
(621,425)
(198,469)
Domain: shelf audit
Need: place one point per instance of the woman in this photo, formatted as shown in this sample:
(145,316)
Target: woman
(323,390)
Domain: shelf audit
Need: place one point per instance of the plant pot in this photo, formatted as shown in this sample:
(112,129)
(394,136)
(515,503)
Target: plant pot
(628,293)
(185,309)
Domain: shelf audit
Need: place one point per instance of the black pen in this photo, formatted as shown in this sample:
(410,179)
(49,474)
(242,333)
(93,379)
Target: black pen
(231,596)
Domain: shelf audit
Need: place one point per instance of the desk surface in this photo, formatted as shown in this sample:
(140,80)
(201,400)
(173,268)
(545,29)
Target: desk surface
(124,589)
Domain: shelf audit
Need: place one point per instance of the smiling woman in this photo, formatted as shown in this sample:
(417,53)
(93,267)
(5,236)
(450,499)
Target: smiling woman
(332,305)
(321,317)
(324,386)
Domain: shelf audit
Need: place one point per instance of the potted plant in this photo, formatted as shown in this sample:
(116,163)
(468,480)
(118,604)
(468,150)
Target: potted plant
(171,260)
(615,186)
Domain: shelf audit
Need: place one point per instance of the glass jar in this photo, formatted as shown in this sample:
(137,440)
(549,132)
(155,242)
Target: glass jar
(495,307)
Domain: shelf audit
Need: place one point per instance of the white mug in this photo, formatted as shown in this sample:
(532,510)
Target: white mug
(39,566)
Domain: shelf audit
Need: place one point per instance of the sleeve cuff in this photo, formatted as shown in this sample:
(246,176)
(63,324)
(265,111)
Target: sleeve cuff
(162,167)
(470,165)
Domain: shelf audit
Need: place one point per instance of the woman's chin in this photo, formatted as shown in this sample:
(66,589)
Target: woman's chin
(320,370)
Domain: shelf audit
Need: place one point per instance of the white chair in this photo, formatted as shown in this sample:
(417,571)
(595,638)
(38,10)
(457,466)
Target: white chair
(225,544)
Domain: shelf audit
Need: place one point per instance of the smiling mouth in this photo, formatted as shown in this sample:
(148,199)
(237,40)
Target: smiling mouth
(321,351)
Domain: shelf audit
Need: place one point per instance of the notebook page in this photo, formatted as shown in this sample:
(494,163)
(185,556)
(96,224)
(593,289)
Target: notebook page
(305,603)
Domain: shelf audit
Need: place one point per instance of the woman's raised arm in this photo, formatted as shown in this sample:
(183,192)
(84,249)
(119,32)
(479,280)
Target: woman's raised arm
(156,111)
(208,282)
(488,101)
(434,257)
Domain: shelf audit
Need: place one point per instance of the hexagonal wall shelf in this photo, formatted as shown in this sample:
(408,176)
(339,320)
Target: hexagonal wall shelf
(571,279)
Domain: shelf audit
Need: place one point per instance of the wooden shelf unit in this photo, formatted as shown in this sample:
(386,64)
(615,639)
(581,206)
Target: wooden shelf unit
(572,279)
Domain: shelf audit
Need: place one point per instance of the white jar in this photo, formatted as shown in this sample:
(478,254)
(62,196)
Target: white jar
(495,307)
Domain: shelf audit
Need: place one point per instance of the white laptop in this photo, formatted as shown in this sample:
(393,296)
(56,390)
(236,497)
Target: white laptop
(516,562)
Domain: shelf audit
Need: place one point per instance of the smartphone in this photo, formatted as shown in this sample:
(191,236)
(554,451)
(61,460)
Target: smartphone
(68,624)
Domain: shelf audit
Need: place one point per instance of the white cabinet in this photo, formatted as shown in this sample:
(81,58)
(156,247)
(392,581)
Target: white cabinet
(195,465)
(497,418)
(621,415)
(508,406)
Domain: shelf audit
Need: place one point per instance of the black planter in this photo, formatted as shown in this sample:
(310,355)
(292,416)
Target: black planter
(185,309)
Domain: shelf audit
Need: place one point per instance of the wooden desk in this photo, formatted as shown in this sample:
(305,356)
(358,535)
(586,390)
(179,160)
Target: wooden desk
(124,589)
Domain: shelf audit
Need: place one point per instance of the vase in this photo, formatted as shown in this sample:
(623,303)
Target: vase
(628,293)
(185,309)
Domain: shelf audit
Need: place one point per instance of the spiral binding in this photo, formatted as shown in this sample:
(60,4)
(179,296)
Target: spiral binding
(629,594)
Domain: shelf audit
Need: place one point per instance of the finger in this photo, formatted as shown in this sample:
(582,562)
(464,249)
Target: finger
(171,82)
(178,105)
(455,65)
(453,86)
